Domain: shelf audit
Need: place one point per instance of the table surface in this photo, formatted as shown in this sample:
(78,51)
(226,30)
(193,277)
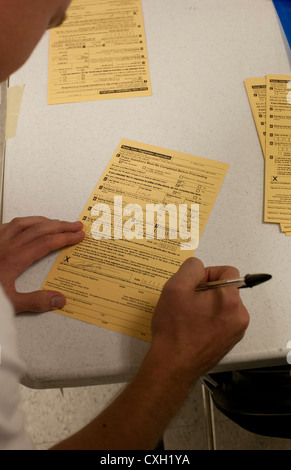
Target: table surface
(199,52)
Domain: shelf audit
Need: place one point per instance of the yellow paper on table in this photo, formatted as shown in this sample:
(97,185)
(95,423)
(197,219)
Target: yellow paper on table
(115,282)
(286,228)
(256,90)
(278,150)
(257,94)
(99,53)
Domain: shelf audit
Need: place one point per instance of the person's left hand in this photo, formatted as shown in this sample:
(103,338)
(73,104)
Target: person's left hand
(25,240)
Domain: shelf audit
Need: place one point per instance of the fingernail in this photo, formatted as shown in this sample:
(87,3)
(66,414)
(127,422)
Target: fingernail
(57,302)
(78,223)
(80,234)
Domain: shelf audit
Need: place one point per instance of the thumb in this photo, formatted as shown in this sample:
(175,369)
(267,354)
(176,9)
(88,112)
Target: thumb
(38,301)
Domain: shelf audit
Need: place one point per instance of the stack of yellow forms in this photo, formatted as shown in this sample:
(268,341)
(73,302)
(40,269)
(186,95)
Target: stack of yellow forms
(270,100)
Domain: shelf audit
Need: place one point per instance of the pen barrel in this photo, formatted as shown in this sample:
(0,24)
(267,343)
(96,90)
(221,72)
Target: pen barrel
(222,283)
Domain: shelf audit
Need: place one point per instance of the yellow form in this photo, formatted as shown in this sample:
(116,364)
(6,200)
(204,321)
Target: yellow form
(256,90)
(115,282)
(286,228)
(257,94)
(278,150)
(99,53)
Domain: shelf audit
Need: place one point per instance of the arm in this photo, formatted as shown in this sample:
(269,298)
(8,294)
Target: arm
(192,331)
(23,241)
(12,420)
(137,417)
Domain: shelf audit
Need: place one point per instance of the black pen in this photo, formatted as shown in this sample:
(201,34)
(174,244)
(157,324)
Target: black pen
(250,280)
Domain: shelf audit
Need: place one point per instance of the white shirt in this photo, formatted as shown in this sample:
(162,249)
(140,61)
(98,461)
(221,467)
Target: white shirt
(13,435)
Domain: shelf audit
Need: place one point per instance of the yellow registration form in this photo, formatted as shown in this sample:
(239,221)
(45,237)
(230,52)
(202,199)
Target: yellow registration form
(115,282)
(278,150)
(256,90)
(277,92)
(99,53)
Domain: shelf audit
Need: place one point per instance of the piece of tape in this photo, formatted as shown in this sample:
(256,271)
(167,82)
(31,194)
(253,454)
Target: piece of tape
(14,99)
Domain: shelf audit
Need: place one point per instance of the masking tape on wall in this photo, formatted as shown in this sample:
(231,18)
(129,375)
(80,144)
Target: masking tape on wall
(14,98)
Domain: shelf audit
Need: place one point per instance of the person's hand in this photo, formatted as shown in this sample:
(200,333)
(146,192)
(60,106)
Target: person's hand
(192,330)
(25,240)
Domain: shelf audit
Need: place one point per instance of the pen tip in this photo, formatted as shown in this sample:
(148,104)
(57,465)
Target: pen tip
(252,280)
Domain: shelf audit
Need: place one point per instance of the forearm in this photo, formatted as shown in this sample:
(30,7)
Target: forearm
(13,434)
(138,416)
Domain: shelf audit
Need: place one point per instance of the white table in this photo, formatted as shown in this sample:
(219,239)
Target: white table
(200,52)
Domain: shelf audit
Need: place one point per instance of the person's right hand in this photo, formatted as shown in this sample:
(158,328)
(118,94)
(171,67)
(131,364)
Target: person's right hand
(25,240)
(192,330)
